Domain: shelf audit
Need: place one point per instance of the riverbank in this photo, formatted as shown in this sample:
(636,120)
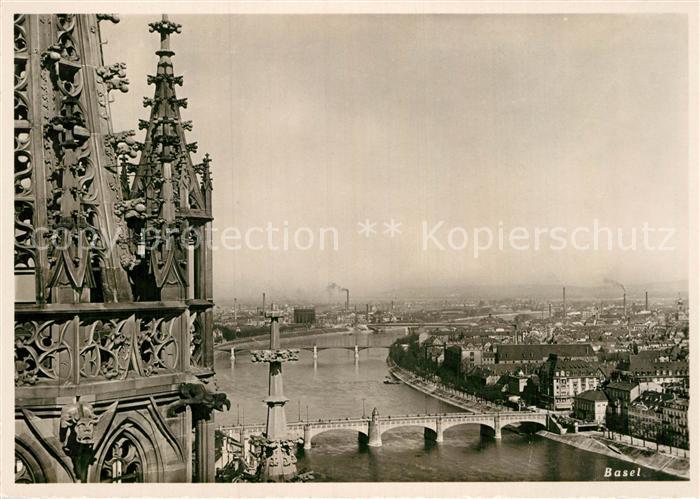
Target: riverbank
(445,394)
(590,441)
(595,442)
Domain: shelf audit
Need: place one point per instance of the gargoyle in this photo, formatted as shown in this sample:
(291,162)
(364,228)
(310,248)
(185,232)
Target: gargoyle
(78,422)
(199,398)
(81,433)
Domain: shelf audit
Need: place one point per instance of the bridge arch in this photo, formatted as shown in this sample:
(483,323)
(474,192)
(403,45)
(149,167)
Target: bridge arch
(426,426)
(336,347)
(446,425)
(527,422)
(311,433)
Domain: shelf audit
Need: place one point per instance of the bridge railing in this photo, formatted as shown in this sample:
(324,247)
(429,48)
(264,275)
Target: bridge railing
(463,416)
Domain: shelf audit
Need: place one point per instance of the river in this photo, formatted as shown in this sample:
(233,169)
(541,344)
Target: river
(336,387)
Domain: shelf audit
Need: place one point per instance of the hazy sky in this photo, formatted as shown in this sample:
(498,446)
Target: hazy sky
(530,120)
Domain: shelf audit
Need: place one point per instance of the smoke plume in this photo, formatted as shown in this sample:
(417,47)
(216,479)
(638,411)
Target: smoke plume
(615,283)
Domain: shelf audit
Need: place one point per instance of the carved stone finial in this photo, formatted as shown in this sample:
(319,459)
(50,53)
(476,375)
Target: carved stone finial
(123,144)
(51,55)
(114,18)
(280,355)
(164,27)
(114,76)
(207,183)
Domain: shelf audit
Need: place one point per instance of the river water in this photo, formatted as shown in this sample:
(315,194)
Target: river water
(337,387)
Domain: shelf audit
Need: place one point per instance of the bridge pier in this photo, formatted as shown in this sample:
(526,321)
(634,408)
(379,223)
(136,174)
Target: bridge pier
(233,355)
(497,426)
(245,445)
(307,437)
(434,435)
(357,353)
(487,431)
(374,432)
(315,352)
(225,457)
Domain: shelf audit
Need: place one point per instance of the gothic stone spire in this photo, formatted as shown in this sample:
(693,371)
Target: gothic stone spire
(171,184)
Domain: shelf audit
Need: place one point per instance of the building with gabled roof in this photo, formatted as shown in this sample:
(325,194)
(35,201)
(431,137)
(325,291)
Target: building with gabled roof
(561,379)
(539,353)
(591,405)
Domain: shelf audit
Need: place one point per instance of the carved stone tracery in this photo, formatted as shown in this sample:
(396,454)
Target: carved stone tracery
(76,221)
(42,352)
(107,350)
(124,462)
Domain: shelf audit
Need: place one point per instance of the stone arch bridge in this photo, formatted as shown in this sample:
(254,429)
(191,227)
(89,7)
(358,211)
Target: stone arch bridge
(371,429)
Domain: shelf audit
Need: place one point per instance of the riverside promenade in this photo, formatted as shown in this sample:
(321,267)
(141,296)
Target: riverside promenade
(444,393)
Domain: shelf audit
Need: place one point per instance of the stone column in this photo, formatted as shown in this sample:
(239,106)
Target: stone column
(204,449)
(279,447)
(276,428)
(186,428)
(438,430)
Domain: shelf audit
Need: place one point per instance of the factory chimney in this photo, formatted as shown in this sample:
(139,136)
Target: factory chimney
(263,304)
(646,300)
(624,304)
(563,294)
(367,312)
(550,310)
(347,299)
